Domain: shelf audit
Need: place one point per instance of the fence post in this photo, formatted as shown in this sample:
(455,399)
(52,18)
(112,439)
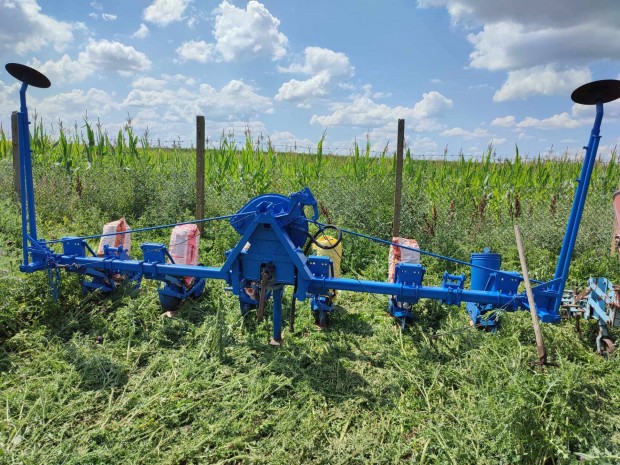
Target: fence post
(15,145)
(399,177)
(200,170)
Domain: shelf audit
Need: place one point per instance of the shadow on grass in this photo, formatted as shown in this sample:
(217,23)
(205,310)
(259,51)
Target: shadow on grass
(97,370)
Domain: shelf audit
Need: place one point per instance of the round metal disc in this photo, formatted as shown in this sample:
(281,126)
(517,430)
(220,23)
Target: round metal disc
(595,92)
(297,230)
(26,74)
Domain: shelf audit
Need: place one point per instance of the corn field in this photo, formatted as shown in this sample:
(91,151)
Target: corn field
(257,163)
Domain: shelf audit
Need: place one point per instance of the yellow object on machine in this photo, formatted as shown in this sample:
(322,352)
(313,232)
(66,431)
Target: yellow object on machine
(334,253)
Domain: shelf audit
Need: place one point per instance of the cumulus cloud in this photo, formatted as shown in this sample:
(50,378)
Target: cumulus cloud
(152,83)
(295,90)
(70,106)
(323,65)
(504,121)
(508,45)
(114,56)
(363,111)
(149,83)
(9,97)
(557,43)
(423,146)
(164,12)
(102,55)
(246,33)
(63,70)
(562,120)
(460,132)
(23,28)
(108,17)
(541,80)
(287,141)
(239,34)
(317,60)
(195,51)
(235,99)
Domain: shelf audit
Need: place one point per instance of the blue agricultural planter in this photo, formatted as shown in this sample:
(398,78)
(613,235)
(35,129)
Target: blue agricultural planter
(271,253)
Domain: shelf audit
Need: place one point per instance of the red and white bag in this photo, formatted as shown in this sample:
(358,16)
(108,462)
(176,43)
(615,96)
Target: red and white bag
(184,242)
(400,255)
(114,240)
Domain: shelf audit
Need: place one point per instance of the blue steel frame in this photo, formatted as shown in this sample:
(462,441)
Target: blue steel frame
(271,226)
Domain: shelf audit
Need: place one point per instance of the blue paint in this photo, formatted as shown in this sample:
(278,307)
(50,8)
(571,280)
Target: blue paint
(273,228)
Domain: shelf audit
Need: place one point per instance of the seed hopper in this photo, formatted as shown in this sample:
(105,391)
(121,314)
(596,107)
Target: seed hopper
(272,251)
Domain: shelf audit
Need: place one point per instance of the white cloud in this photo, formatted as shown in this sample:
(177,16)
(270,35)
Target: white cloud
(235,99)
(195,51)
(287,141)
(9,95)
(103,55)
(114,56)
(70,106)
(587,112)
(432,103)
(295,90)
(423,146)
(364,111)
(63,70)
(468,135)
(141,33)
(247,33)
(164,12)
(545,46)
(24,28)
(563,120)
(542,81)
(149,83)
(317,60)
(108,17)
(239,34)
(505,121)
(509,45)
(323,65)
(511,36)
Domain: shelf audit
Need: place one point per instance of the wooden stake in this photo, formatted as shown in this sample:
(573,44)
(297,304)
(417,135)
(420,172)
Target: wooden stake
(15,144)
(399,177)
(540,344)
(200,170)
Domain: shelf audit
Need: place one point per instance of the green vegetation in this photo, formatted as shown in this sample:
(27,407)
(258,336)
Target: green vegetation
(95,379)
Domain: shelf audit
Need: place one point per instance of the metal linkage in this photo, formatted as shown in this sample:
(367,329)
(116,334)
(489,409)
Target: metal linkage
(270,253)
(599,301)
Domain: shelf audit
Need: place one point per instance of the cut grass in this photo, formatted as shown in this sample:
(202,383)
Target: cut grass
(106,380)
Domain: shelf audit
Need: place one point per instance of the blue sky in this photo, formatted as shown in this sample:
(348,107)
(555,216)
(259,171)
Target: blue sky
(462,73)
